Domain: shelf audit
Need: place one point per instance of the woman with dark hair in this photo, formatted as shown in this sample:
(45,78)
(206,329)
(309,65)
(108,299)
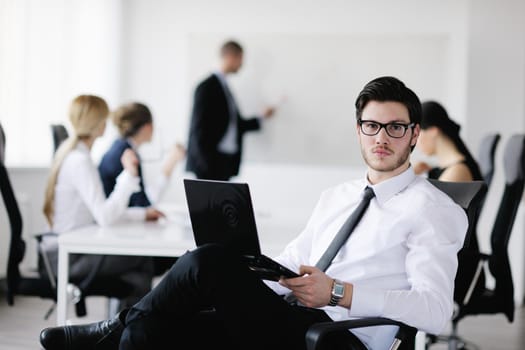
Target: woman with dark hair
(440,137)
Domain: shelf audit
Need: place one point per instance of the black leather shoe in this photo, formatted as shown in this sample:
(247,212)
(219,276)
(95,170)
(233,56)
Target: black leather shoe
(104,335)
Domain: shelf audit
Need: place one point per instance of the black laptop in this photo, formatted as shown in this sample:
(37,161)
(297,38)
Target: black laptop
(222,212)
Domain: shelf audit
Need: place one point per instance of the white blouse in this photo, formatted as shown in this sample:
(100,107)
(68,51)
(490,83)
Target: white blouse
(80,198)
(156,189)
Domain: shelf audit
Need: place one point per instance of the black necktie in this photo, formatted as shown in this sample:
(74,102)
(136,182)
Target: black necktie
(345,230)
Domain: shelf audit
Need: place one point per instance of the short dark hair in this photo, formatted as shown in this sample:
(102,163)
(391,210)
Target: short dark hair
(231,47)
(384,89)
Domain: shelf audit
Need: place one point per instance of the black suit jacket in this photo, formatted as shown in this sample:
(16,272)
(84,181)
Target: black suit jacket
(110,167)
(209,122)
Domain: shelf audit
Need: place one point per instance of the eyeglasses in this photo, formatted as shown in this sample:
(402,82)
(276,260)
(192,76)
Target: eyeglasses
(395,130)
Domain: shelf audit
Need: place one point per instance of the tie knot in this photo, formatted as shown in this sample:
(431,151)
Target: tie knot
(368,193)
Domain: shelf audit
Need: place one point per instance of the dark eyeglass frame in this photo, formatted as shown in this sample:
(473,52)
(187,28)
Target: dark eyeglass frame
(385,126)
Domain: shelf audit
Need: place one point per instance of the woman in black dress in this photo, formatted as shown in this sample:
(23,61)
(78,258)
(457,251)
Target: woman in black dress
(440,137)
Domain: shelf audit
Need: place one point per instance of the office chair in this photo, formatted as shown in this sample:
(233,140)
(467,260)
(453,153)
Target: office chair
(45,286)
(468,195)
(487,151)
(59,133)
(499,299)
(2,145)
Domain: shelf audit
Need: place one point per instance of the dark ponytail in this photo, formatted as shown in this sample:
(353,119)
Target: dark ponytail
(435,115)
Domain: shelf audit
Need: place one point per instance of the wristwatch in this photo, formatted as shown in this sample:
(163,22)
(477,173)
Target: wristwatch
(338,291)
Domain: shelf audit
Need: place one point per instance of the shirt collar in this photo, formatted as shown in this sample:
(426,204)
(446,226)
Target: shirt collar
(221,77)
(131,144)
(81,146)
(389,188)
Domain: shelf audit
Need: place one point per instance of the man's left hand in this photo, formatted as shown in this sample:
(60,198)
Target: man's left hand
(312,289)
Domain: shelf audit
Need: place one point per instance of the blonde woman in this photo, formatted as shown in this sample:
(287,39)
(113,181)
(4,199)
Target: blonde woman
(75,197)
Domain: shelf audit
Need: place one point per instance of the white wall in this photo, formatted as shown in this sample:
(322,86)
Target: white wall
(160,35)
(312,78)
(52,51)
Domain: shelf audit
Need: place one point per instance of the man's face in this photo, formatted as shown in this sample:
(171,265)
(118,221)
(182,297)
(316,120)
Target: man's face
(385,155)
(233,62)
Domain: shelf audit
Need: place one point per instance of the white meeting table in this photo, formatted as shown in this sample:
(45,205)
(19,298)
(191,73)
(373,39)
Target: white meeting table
(169,238)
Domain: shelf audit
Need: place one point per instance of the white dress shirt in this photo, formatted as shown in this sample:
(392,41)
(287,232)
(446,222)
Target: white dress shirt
(228,143)
(153,190)
(80,199)
(401,258)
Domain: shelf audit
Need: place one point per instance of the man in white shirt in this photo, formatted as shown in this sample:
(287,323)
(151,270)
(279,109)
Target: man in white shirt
(399,261)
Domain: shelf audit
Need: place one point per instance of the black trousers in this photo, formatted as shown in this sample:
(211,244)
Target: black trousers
(223,168)
(210,299)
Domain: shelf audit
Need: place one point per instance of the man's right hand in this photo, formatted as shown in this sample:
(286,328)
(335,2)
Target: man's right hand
(130,162)
(312,289)
(268,112)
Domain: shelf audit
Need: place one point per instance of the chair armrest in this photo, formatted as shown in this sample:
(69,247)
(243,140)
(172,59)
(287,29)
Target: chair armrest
(317,331)
(483,258)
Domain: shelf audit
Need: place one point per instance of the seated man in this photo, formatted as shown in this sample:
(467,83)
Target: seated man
(399,262)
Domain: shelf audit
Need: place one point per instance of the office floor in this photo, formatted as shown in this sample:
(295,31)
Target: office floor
(20,325)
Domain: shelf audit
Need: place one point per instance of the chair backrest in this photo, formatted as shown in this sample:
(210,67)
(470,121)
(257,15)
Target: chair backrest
(514,166)
(59,133)
(17,245)
(469,196)
(486,154)
(2,145)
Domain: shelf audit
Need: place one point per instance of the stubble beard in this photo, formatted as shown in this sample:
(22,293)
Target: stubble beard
(384,166)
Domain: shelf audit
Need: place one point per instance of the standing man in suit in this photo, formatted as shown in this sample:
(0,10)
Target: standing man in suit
(217,127)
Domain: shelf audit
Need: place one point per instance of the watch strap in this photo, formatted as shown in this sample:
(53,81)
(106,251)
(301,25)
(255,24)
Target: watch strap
(334,296)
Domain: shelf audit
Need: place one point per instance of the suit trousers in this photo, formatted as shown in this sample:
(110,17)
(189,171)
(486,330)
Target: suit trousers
(211,299)
(224,166)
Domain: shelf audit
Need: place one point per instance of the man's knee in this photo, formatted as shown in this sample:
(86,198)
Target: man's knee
(208,258)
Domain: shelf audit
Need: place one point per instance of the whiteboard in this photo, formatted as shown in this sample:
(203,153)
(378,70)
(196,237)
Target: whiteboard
(314,79)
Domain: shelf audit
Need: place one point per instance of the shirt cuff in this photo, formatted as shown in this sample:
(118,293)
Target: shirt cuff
(135,213)
(367,302)
(276,287)
(128,181)
(163,180)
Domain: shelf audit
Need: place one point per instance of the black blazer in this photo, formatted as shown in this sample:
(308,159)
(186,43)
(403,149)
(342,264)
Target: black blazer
(110,167)
(209,122)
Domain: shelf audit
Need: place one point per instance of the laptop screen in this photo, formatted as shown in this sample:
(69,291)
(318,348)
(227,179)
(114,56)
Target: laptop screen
(222,212)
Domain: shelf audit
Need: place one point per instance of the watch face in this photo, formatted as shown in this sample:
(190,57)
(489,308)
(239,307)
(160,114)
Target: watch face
(339,289)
